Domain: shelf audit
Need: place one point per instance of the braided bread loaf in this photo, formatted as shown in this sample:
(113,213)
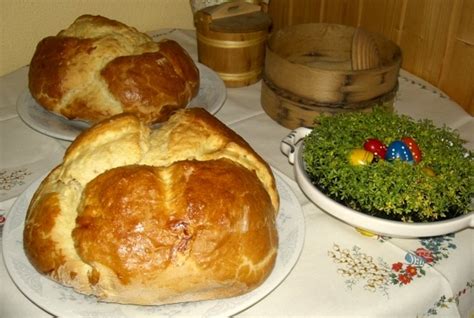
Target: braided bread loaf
(99,67)
(183,213)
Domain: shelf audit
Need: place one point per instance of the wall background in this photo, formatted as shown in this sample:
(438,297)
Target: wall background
(436,36)
(23,23)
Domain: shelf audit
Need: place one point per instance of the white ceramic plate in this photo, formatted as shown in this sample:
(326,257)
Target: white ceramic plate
(211,96)
(293,148)
(64,302)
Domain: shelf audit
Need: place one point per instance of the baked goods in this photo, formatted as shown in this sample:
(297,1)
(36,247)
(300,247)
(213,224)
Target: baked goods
(185,212)
(99,67)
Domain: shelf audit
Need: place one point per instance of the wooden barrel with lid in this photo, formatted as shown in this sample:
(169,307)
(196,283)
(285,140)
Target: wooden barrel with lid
(231,40)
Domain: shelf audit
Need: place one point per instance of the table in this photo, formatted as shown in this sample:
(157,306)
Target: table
(336,272)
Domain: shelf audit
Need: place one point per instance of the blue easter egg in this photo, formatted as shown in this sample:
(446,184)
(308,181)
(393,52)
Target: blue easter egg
(398,150)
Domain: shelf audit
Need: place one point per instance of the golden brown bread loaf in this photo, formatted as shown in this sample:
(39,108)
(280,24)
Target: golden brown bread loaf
(99,67)
(183,213)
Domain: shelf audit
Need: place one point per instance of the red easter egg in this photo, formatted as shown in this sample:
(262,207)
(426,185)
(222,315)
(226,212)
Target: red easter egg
(376,147)
(414,149)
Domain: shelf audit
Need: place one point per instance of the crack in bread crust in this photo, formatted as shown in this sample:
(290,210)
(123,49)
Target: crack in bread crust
(97,68)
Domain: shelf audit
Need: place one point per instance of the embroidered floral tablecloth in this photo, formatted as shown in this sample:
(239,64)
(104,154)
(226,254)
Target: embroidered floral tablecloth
(340,272)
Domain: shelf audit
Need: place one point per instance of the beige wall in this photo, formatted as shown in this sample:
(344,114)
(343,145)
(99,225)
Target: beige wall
(24,22)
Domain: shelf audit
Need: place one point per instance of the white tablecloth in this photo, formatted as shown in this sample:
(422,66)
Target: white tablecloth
(337,272)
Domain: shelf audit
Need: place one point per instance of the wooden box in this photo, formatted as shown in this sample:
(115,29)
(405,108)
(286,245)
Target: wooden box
(327,68)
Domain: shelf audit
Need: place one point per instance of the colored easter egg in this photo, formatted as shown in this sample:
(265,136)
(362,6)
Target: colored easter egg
(398,150)
(376,147)
(359,157)
(414,149)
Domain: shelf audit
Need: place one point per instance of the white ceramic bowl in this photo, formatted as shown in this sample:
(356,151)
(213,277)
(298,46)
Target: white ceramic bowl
(292,146)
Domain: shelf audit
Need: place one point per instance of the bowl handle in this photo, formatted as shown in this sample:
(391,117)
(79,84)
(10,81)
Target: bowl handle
(288,144)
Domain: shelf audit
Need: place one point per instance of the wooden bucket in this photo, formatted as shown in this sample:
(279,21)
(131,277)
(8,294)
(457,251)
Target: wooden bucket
(327,68)
(231,40)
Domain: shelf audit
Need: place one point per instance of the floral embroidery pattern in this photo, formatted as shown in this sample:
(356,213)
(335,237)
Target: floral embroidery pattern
(402,275)
(358,266)
(423,86)
(438,247)
(434,250)
(11,179)
(444,301)
(157,35)
(378,275)
(3,219)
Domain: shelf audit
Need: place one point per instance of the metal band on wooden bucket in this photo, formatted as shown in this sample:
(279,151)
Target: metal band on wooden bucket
(226,44)
(308,103)
(238,77)
(292,111)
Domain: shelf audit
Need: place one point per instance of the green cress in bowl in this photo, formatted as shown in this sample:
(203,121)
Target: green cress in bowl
(404,192)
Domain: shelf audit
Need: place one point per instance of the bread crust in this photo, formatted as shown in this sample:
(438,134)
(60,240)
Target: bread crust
(183,213)
(97,68)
